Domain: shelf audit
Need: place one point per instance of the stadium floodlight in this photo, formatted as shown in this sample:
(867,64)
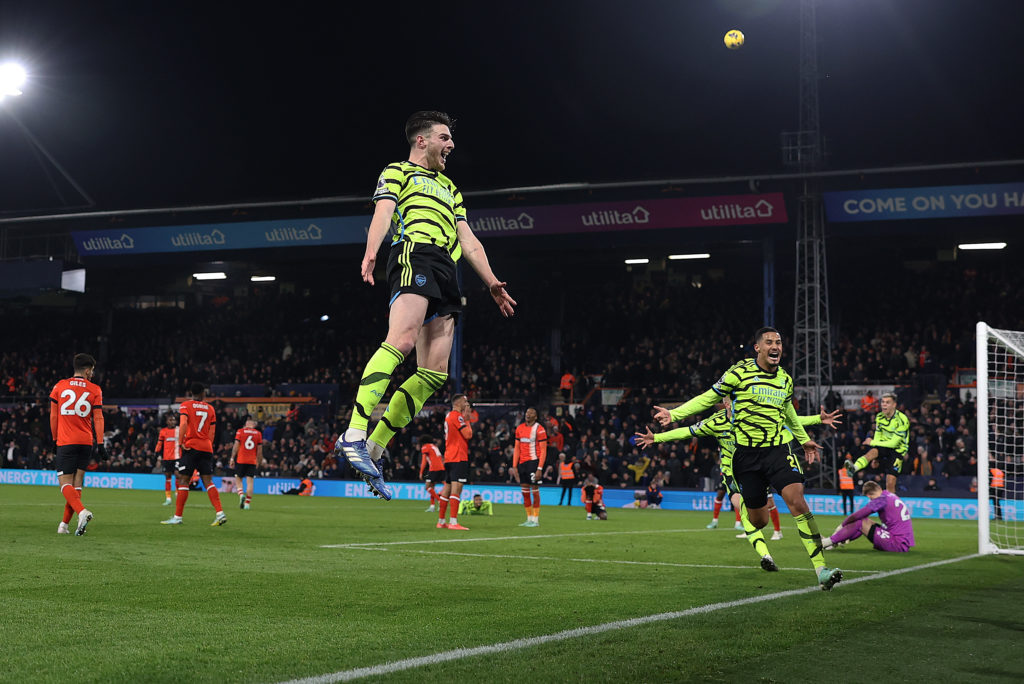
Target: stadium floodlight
(677,257)
(12,77)
(219,275)
(263,279)
(638,261)
(982,245)
(325,318)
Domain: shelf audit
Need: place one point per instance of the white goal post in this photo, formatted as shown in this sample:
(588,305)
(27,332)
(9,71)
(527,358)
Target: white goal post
(1000,408)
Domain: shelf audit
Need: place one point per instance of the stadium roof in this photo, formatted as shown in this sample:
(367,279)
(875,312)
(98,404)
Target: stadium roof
(150,106)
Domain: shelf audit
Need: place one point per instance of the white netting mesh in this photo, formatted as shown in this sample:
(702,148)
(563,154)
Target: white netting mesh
(1003,420)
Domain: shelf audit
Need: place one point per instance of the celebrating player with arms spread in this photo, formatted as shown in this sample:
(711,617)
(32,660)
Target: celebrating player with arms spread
(423,212)
(762,404)
(720,426)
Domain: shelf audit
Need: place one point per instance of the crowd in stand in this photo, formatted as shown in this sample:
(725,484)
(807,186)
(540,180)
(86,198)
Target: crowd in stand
(643,341)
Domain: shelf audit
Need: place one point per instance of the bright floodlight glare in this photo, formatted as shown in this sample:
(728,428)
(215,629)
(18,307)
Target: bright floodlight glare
(12,77)
(677,257)
(325,318)
(73,280)
(220,275)
(263,279)
(983,245)
(638,261)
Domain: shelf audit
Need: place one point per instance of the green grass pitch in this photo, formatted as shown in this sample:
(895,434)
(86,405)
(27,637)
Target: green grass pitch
(314,587)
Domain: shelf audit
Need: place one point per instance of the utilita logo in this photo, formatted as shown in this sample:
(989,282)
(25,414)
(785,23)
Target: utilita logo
(719,212)
(96,244)
(500,224)
(214,237)
(311,233)
(613,217)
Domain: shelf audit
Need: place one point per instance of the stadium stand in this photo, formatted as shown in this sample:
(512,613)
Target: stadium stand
(660,339)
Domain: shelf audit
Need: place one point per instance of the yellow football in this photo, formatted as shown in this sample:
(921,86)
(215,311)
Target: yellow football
(734,39)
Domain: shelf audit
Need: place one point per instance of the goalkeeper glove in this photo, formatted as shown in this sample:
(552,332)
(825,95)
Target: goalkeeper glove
(100,452)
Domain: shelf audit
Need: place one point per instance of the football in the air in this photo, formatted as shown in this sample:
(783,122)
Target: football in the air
(734,39)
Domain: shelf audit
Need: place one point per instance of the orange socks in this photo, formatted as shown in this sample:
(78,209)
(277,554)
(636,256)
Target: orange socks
(179,505)
(527,500)
(72,497)
(214,495)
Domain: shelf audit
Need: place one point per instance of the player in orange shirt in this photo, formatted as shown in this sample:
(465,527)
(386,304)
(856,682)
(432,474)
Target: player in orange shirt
(246,455)
(431,468)
(593,499)
(457,433)
(167,449)
(76,425)
(198,421)
(528,464)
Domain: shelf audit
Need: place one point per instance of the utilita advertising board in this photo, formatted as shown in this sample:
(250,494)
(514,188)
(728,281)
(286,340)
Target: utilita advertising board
(726,210)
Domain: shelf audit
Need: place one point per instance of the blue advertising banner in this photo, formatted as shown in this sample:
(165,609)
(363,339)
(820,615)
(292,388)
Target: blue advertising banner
(337,230)
(821,504)
(924,203)
(725,210)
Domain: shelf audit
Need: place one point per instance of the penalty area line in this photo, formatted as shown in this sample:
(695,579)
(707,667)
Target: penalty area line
(521,537)
(519,644)
(583,560)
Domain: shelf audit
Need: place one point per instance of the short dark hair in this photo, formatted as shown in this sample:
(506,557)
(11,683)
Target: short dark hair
(197,389)
(421,122)
(761,332)
(426,439)
(457,397)
(83,362)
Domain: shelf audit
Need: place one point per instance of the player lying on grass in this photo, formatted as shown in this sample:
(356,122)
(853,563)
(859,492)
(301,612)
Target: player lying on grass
(476,506)
(894,532)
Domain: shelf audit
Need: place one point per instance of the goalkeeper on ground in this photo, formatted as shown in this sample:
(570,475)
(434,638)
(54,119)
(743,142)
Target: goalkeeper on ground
(476,506)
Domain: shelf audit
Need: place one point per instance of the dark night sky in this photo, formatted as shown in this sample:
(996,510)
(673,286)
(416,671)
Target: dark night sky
(218,102)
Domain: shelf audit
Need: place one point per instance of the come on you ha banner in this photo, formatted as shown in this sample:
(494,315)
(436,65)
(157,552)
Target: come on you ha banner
(948,201)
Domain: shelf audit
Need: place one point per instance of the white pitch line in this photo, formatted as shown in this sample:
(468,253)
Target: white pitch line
(586,560)
(507,646)
(526,537)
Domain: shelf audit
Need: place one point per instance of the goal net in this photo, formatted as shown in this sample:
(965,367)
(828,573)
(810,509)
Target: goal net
(1000,440)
